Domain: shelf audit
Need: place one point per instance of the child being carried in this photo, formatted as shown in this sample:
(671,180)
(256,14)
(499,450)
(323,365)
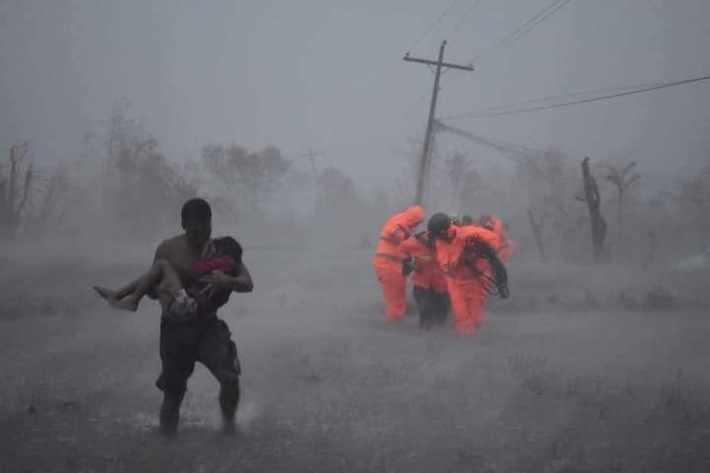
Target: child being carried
(182,303)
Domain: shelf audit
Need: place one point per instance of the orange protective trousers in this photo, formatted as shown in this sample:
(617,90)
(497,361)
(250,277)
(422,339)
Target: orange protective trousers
(394,290)
(388,260)
(468,303)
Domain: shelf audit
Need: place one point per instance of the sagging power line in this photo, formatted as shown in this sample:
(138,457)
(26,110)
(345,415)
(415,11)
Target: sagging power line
(509,150)
(522,30)
(510,110)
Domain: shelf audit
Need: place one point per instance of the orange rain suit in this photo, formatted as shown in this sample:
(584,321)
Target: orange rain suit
(388,259)
(467,290)
(508,247)
(427,274)
(430,286)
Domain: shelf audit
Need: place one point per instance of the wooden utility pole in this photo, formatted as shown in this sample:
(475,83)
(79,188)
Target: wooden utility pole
(311,155)
(424,162)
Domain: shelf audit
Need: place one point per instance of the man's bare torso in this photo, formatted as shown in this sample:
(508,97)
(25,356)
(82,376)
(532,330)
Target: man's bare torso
(180,255)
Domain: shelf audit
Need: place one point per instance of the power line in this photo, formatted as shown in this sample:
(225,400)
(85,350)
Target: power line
(387,76)
(466,15)
(523,29)
(509,150)
(431,27)
(568,96)
(484,114)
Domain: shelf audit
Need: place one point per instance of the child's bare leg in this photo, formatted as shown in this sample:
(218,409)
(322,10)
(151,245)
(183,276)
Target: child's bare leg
(160,272)
(170,283)
(113,296)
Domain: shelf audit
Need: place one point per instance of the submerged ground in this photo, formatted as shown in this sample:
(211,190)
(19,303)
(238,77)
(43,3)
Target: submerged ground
(582,371)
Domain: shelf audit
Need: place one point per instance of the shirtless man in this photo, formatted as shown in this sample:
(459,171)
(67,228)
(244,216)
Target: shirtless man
(206,339)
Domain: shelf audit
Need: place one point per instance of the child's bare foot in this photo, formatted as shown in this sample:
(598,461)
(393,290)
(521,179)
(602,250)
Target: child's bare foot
(129,303)
(105,293)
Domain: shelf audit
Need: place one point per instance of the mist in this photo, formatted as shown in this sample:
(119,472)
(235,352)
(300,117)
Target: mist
(302,126)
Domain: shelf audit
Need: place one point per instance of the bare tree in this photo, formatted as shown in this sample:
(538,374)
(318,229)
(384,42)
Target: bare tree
(622,179)
(52,199)
(14,191)
(252,175)
(148,186)
(342,212)
(695,197)
(548,184)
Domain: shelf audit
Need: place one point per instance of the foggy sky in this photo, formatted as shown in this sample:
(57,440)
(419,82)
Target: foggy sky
(329,74)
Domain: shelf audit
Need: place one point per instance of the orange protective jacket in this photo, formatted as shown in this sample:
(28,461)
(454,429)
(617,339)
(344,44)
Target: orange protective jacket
(397,229)
(507,246)
(427,273)
(452,255)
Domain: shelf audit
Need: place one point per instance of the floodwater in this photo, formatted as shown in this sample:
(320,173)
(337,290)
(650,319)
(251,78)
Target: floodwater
(578,372)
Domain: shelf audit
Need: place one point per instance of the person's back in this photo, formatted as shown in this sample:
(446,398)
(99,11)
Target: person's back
(396,229)
(388,258)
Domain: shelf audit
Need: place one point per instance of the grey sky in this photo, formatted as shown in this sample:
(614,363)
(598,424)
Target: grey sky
(329,74)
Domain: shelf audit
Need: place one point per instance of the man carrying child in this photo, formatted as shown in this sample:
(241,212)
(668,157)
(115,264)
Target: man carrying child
(192,276)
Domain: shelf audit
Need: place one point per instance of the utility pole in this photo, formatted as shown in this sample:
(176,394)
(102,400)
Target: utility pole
(424,162)
(311,155)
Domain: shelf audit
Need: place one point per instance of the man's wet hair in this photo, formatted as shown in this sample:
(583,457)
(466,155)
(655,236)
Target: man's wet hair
(230,247)
(196,209)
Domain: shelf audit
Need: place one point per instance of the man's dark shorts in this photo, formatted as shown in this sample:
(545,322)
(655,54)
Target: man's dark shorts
(207,340)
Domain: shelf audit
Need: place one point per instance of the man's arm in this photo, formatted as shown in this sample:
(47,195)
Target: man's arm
(221,281)
(242,282)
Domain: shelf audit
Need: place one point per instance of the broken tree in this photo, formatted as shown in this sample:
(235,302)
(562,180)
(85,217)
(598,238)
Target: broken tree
(596,221)
(622,180)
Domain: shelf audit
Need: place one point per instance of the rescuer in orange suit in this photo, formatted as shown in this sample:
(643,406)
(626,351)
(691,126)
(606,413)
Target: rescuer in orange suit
(430,286)
(468,257)
(507,246)
(389,257)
